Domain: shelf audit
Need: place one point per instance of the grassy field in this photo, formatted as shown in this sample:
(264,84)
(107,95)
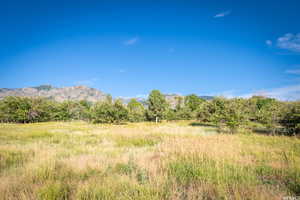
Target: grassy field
(174,160)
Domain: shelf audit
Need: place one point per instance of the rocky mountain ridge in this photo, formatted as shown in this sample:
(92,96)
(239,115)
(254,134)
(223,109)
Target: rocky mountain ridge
(76,93)
(57,94)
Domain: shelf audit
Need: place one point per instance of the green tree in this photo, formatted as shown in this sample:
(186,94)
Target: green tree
(136,111)
(120,112)
(15,109)
(157,106)
(218,111)
(270,114)
(205,111)
(291,118)
(193,102)
(108,112)
(234,114)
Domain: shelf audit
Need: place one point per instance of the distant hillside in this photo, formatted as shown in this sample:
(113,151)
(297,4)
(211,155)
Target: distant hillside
(77,93)
(58,94)
(207,97)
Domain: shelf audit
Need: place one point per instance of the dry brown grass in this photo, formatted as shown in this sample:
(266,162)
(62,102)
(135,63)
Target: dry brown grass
(77,160)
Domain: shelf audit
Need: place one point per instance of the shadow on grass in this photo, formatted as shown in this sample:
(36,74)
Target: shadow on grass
(120,123)
(202,124)
(265,131)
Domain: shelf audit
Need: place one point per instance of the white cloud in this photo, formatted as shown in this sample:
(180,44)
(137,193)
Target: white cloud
(289,42)
(222,14)
(293,71)
(287,93)
(122,70)
(142,96)
(269,42)
(88,82)
(131,41)
(228,94)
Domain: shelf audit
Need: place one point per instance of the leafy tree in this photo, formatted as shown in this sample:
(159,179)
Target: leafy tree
(291,118)
(25,110)
(180,112)
(102,112)
(234,114)
(171,114)
(120,112)
(107,112)
(193,102)
(205,111)
(157,106)
(269,114)
(217,109)
(15,109)
(65,111)
(85,113)
(40,110)
(136,111)
(179,103)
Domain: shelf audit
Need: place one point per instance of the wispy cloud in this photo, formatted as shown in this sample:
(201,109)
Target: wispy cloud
(131,41)
(287,93)
(88,82)
(289,42)
(223,14)
(293,71)
(269,42)
(122,71)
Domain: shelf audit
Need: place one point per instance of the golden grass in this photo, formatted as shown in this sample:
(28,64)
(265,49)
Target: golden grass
(170,160)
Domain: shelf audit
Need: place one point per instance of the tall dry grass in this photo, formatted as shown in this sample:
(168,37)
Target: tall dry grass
(77,160)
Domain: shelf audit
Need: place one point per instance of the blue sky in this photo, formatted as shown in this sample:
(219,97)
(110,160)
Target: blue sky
(127,48)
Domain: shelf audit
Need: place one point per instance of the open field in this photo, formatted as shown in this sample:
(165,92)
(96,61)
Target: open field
(174,160)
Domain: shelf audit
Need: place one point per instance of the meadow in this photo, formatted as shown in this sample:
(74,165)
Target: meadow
(169,160)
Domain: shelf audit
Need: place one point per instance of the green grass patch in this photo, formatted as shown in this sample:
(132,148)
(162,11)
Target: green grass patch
(13,158)
(54,191)
(117,188)
(191,169)
(133,171)
(53,171)
(137,141)
(288,177)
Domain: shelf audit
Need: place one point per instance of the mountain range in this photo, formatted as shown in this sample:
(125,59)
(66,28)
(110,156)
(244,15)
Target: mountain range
(75,93)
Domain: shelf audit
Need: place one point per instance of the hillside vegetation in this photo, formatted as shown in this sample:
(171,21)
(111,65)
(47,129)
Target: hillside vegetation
(229,115)
(169,160)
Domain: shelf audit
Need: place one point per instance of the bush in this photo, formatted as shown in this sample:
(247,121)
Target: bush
(136,111)
(107,112)
(291,119)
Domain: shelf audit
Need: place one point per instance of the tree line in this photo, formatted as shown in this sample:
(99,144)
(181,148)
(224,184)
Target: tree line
(229,114)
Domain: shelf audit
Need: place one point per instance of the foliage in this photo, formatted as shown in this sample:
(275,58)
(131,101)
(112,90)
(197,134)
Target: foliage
(234,114)
(205,111)
(157,106)
(291,118)
(136,111)
(108,112)
(270,114)
(193,102)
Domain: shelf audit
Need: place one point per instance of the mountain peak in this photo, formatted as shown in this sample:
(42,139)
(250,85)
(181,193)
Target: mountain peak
(75,93)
